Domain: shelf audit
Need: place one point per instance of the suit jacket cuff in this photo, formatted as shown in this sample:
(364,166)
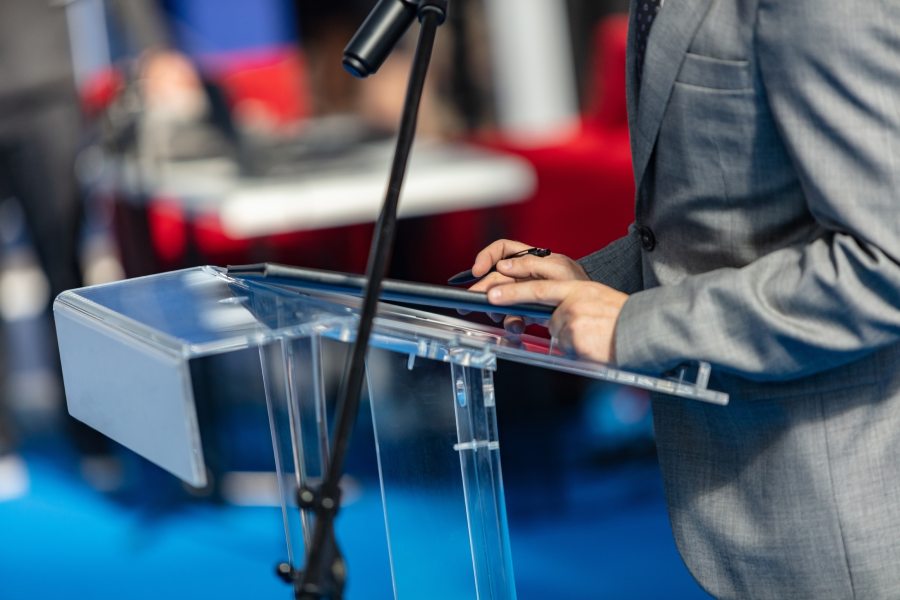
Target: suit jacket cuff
(643,343)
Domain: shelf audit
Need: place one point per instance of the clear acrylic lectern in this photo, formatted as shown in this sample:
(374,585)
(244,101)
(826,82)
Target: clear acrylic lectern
(130,352)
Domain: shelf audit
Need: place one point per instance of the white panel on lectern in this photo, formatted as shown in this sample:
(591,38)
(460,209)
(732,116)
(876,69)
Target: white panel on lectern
(137,395)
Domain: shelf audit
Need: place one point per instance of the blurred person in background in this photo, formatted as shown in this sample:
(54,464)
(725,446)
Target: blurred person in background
(326,26)
(40,131)
(40,124)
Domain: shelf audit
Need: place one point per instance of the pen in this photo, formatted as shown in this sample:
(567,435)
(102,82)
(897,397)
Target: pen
(466,277)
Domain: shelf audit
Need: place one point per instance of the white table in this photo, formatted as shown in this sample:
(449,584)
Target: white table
(442,178)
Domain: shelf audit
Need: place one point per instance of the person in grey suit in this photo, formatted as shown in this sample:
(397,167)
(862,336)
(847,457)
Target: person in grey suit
(766,150)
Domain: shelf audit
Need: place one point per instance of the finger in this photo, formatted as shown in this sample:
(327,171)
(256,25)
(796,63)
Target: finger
(527,322)
(546,292)
(535,267)
(491,281)
(495,252)
(541,322)
(514,324)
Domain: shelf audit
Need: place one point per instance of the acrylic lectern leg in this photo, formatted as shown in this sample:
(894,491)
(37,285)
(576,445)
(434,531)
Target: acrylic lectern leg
(479,458)
(439,465)
(294,384)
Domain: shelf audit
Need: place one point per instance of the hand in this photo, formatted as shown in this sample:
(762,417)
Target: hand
(584,322)
(525,268)
(555,266)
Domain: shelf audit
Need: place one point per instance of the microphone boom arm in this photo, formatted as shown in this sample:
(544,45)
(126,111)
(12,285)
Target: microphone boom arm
(325,571)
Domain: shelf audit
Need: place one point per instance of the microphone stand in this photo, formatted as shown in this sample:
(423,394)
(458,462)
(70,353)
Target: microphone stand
(325,573)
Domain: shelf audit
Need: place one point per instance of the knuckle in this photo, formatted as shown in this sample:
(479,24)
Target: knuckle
(524,266)
(498,247)
(495,279)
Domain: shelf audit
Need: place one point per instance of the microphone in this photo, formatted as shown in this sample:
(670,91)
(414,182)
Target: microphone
(325,571)
(378,35)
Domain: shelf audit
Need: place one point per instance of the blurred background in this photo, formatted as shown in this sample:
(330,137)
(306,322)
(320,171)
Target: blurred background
(142,136)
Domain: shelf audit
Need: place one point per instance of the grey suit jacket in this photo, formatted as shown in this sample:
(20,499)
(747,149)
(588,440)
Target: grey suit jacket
(766,146)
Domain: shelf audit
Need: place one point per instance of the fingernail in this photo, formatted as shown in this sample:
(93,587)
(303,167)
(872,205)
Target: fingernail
(504,264)
(495,294)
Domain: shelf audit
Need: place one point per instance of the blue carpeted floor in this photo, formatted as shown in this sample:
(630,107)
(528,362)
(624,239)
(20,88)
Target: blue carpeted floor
(64,540)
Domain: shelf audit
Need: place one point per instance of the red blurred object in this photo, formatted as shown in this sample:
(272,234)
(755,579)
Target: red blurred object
(180,240)
(168,230)
(99,91)
(607,108)
(274,79)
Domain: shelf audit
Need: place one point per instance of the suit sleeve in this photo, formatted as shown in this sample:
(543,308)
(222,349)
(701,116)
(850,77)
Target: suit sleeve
(831,72)
(617,265)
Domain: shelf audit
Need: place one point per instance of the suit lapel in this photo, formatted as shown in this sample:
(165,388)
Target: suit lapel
(672,32)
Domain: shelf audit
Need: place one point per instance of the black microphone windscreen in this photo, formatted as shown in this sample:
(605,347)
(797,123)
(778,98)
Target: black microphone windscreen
(376,38)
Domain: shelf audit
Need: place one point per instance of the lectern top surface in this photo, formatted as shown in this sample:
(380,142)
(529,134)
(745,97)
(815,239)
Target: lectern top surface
(195,311)
(203,311)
